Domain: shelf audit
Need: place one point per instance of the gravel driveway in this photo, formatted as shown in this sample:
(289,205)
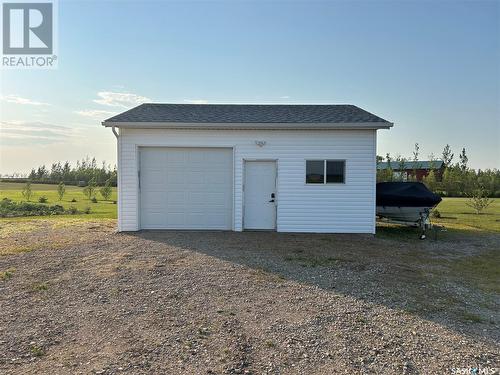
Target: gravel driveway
(93,301)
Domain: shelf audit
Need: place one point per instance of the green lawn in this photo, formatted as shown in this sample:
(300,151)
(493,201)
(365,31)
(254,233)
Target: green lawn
(456,214)
(102,209)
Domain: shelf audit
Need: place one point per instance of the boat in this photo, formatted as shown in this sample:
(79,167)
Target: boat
(407,203)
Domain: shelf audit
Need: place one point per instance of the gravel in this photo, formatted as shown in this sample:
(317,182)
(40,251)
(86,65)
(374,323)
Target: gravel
(235,303)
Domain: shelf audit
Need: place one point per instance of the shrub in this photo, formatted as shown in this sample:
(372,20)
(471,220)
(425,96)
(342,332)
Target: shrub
(479,200)
(87,210)
(56,209)
(72,210)
(89,190)
(27,192)
(94,200)
(61,190)
(73,200)
(106,190)
(8,208)
(43,199)
(435,213)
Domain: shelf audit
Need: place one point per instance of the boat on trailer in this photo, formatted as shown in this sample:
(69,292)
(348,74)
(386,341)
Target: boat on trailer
(407,203)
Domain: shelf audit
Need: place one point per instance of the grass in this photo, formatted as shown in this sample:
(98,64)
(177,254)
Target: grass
(37,351)
(471,317)
(457,215)
(6,275)
(482,270)
(100,210)
(40,287)
(270,344)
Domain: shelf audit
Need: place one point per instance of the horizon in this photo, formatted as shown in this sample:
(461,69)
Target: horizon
(432,69)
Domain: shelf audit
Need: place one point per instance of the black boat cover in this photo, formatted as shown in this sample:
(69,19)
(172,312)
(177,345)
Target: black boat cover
(405,194)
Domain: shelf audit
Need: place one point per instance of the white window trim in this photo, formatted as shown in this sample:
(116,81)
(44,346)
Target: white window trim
(324,172)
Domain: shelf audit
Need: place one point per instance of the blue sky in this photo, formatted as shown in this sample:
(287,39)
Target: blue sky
(431,67)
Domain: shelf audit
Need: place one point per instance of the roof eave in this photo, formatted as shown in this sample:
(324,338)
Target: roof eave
(248,126)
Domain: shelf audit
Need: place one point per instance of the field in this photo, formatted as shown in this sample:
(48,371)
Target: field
(100,210)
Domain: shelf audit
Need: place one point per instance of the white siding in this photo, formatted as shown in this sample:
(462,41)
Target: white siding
(336,208)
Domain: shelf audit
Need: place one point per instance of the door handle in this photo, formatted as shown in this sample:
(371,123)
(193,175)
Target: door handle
(272,198)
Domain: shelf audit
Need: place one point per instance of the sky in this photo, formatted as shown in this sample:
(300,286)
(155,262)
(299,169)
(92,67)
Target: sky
(431,67)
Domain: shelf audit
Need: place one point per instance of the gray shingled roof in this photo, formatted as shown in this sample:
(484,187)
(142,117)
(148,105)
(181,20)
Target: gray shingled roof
(246,113)
(410,165)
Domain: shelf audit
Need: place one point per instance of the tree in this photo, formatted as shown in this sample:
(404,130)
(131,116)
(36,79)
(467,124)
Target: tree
(430,180)
(463,160)
(27,192)
(89,190)
(415,160)
(479,200)
(106,190)
(386,174)
(389,160)
(42,173)
(61,190)
(432,161)
(416,151)
(401,166)
(447,156)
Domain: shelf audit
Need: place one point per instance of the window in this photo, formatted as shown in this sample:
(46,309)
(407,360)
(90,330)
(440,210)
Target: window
(315,171)
(335,171)
(325,171)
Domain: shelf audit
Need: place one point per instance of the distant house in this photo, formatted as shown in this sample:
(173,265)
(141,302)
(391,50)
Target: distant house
(421,168)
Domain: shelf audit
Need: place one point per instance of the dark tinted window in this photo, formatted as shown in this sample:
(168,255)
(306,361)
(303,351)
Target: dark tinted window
(315,172)
(335,171)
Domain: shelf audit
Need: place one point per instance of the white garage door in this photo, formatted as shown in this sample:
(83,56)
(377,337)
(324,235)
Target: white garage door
(186,188)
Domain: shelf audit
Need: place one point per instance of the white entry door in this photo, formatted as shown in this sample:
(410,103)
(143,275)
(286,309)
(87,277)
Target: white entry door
(260,195)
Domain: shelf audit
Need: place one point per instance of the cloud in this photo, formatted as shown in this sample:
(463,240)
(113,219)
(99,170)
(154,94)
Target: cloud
(31,133)
(196,101)
(120,99)
(18,100)
(95,113)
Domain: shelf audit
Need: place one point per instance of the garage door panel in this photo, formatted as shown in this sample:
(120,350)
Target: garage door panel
(197,219)
(197,198)
(155,220)
(186,188)
(175,220)
(153,199)
(216,199)
(218,220)
(175,176)
(216,178)
(196,177)
(175,197)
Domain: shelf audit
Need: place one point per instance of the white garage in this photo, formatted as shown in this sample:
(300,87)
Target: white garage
(288,168)
(185,188)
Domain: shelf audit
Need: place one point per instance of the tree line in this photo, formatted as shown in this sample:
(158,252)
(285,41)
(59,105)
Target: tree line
(82,173)
(455,179)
